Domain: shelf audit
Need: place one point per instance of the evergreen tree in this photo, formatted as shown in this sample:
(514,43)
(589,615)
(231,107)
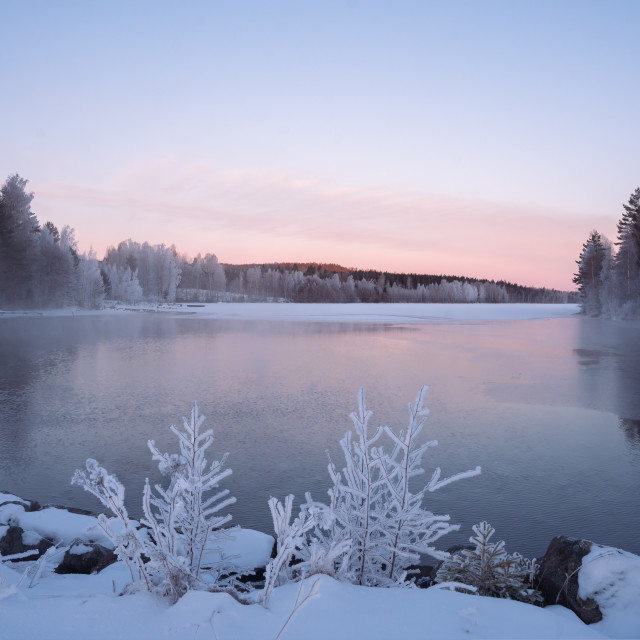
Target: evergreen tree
(628,256)
(490,569)
(588,277)
(18,236)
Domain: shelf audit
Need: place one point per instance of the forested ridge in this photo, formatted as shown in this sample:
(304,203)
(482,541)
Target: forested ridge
(41,267)
(608,275)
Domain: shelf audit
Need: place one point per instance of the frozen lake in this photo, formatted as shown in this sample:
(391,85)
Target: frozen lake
(548,406)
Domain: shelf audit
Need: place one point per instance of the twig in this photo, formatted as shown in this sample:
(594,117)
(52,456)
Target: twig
(298,604)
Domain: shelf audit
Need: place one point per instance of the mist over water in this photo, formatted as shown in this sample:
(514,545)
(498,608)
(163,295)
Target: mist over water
(549,408)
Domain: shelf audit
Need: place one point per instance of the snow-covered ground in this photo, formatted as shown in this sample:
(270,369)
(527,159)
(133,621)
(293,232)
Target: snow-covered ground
(72,607)
(78,607)
(400,313)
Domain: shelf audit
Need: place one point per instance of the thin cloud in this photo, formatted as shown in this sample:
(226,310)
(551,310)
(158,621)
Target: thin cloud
(279,210)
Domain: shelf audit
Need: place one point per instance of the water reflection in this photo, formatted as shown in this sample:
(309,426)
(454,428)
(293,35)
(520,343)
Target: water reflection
(631,429)
(609,366)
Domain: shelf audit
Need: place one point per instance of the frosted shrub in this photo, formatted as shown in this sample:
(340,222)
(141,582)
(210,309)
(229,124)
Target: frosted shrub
(372,502)
(129,543)
(490,569)
(374,527)
(184,521)
(182,524)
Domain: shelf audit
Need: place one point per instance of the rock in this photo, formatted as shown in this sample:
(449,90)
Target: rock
(558,577)
(12,543)
(422,574)
(86,558)
(78,510)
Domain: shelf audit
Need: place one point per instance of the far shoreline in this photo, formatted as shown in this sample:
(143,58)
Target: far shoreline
(358,312)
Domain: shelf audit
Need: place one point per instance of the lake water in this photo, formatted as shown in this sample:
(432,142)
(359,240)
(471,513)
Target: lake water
(549,408)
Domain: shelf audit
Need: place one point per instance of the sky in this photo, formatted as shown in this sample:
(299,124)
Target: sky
(483,138)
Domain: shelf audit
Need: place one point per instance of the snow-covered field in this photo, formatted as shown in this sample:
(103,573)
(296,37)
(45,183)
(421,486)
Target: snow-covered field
(401,313)
(51,606)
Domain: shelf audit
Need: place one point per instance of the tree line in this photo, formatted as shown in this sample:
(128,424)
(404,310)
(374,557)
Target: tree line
(608,275)
(42,267)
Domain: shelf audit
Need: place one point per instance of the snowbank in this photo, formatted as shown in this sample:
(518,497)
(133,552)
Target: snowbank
(80,607)
(52,606)
(242,548)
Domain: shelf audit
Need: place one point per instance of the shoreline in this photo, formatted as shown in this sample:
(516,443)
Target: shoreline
(357,312)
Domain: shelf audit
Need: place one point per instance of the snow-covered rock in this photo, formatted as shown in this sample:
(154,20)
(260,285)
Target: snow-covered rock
(558,577)
(242,549)
(86,559)
(54,523)
(611,577)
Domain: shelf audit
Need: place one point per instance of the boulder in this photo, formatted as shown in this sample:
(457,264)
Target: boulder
(12,543)
(86,558)
(558,577)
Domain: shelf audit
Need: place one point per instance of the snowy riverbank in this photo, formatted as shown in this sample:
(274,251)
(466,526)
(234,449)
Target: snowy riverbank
(36,603)
(399,313)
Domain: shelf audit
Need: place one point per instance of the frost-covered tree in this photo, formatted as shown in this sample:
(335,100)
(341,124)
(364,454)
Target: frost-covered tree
(182,521)
(490,569)
(125,286)
(156,268)
(89,284)
(185,516)
(375,527)
(414,529)
(609,283)
(373,504)
(588,277)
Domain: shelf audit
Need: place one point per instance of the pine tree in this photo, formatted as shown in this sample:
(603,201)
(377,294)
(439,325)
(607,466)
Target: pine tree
(490,569)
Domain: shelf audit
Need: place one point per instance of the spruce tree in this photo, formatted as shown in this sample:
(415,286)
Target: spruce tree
(589,271)
(628,256)
(18,229)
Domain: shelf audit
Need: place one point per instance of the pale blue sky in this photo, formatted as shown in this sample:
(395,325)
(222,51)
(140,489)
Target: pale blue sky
(480,138)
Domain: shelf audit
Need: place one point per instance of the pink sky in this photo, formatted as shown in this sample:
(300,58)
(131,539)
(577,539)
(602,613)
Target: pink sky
(484,139)
(261,216)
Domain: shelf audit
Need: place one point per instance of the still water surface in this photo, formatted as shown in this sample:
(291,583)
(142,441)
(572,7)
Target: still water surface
(549,408)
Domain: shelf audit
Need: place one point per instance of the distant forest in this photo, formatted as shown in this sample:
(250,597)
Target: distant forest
(608,276)
(40,267)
